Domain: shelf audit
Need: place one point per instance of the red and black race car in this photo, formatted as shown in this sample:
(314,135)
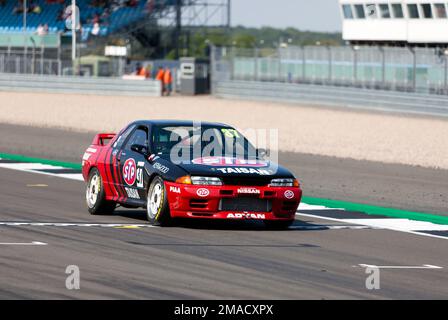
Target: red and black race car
(182,169)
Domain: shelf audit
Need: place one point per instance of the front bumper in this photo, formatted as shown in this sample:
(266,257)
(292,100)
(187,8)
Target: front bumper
(193,201)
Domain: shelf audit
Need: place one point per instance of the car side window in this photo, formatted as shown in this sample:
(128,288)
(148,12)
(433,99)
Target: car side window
(140,136)
(122,138)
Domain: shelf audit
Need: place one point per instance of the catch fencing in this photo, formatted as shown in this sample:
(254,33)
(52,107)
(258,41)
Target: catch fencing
(387,79)
(422,70)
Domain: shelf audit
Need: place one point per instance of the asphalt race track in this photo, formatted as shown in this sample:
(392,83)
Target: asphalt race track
(119,256)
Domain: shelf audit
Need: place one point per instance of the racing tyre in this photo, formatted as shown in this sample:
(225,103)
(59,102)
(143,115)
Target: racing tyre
(157,209)
(278,225)
(95,195)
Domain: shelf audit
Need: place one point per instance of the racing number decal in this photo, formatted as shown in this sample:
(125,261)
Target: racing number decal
(230,133)
(129,172)
(139,177)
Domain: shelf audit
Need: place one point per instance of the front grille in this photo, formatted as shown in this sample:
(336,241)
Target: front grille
(246,181)
(198,203)
(245,204)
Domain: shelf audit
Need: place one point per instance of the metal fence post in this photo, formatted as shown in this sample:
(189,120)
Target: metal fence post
(383,67)
(256,77)
(355,64)
(446,72)
(232,63)
(17,64)
(330,64)
(414,69)
(303,64)
(212,68)
(279,71)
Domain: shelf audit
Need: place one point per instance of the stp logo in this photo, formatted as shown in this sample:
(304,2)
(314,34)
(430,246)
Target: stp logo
(289,194)
(129,171)
(202,192)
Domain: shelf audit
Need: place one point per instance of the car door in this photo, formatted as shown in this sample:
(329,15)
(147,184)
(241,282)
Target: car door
(132,166)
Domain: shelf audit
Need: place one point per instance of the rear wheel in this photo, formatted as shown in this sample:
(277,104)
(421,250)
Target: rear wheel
(95,195)
(278,225)
(157,209)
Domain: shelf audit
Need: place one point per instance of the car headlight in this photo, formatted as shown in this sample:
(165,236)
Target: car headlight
(208,181)
(284,182)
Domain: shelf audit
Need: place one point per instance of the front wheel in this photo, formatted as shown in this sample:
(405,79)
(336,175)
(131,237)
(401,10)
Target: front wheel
(95,195)
(157,209)
(278,225)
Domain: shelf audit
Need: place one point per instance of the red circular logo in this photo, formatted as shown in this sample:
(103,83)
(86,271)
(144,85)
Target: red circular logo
(202,192)
(129,171)
(289,194)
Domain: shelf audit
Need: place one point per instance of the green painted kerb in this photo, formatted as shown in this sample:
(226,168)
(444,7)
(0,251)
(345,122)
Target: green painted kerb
(375,210)
(337,204)
(18,157)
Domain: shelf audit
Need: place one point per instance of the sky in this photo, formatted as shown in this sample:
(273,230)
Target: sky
(313,15)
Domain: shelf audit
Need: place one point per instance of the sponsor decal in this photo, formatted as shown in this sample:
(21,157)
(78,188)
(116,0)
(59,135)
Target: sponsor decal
(249,190)
(230,133)
(86,156)
(289,194)
(174,189)
(245,170)
(229,161)
(202,192)
(139,177)
(132,193)
(129,171)
(160,167)
(91,150)
(246,216)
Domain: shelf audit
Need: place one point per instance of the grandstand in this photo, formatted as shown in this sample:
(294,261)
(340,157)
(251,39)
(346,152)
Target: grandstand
(31,42)
(110,15)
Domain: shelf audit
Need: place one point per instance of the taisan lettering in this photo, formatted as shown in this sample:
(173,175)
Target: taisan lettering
(245,170)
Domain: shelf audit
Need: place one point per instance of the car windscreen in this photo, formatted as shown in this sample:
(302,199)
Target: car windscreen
(203,141)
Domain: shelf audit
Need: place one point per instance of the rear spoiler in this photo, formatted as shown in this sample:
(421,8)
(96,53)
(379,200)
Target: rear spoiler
(101,139)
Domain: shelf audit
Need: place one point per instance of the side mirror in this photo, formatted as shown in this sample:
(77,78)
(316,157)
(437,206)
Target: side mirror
(262,153)
(140,149)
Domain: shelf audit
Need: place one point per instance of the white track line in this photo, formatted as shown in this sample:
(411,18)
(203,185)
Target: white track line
(401,225)
(72,224)
(33,243)
(34,167)
(425,266)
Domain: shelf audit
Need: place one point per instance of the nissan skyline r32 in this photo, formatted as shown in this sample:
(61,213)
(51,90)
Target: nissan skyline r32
(178,169)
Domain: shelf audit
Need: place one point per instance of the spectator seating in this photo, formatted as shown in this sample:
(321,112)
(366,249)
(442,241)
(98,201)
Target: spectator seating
(119,15)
